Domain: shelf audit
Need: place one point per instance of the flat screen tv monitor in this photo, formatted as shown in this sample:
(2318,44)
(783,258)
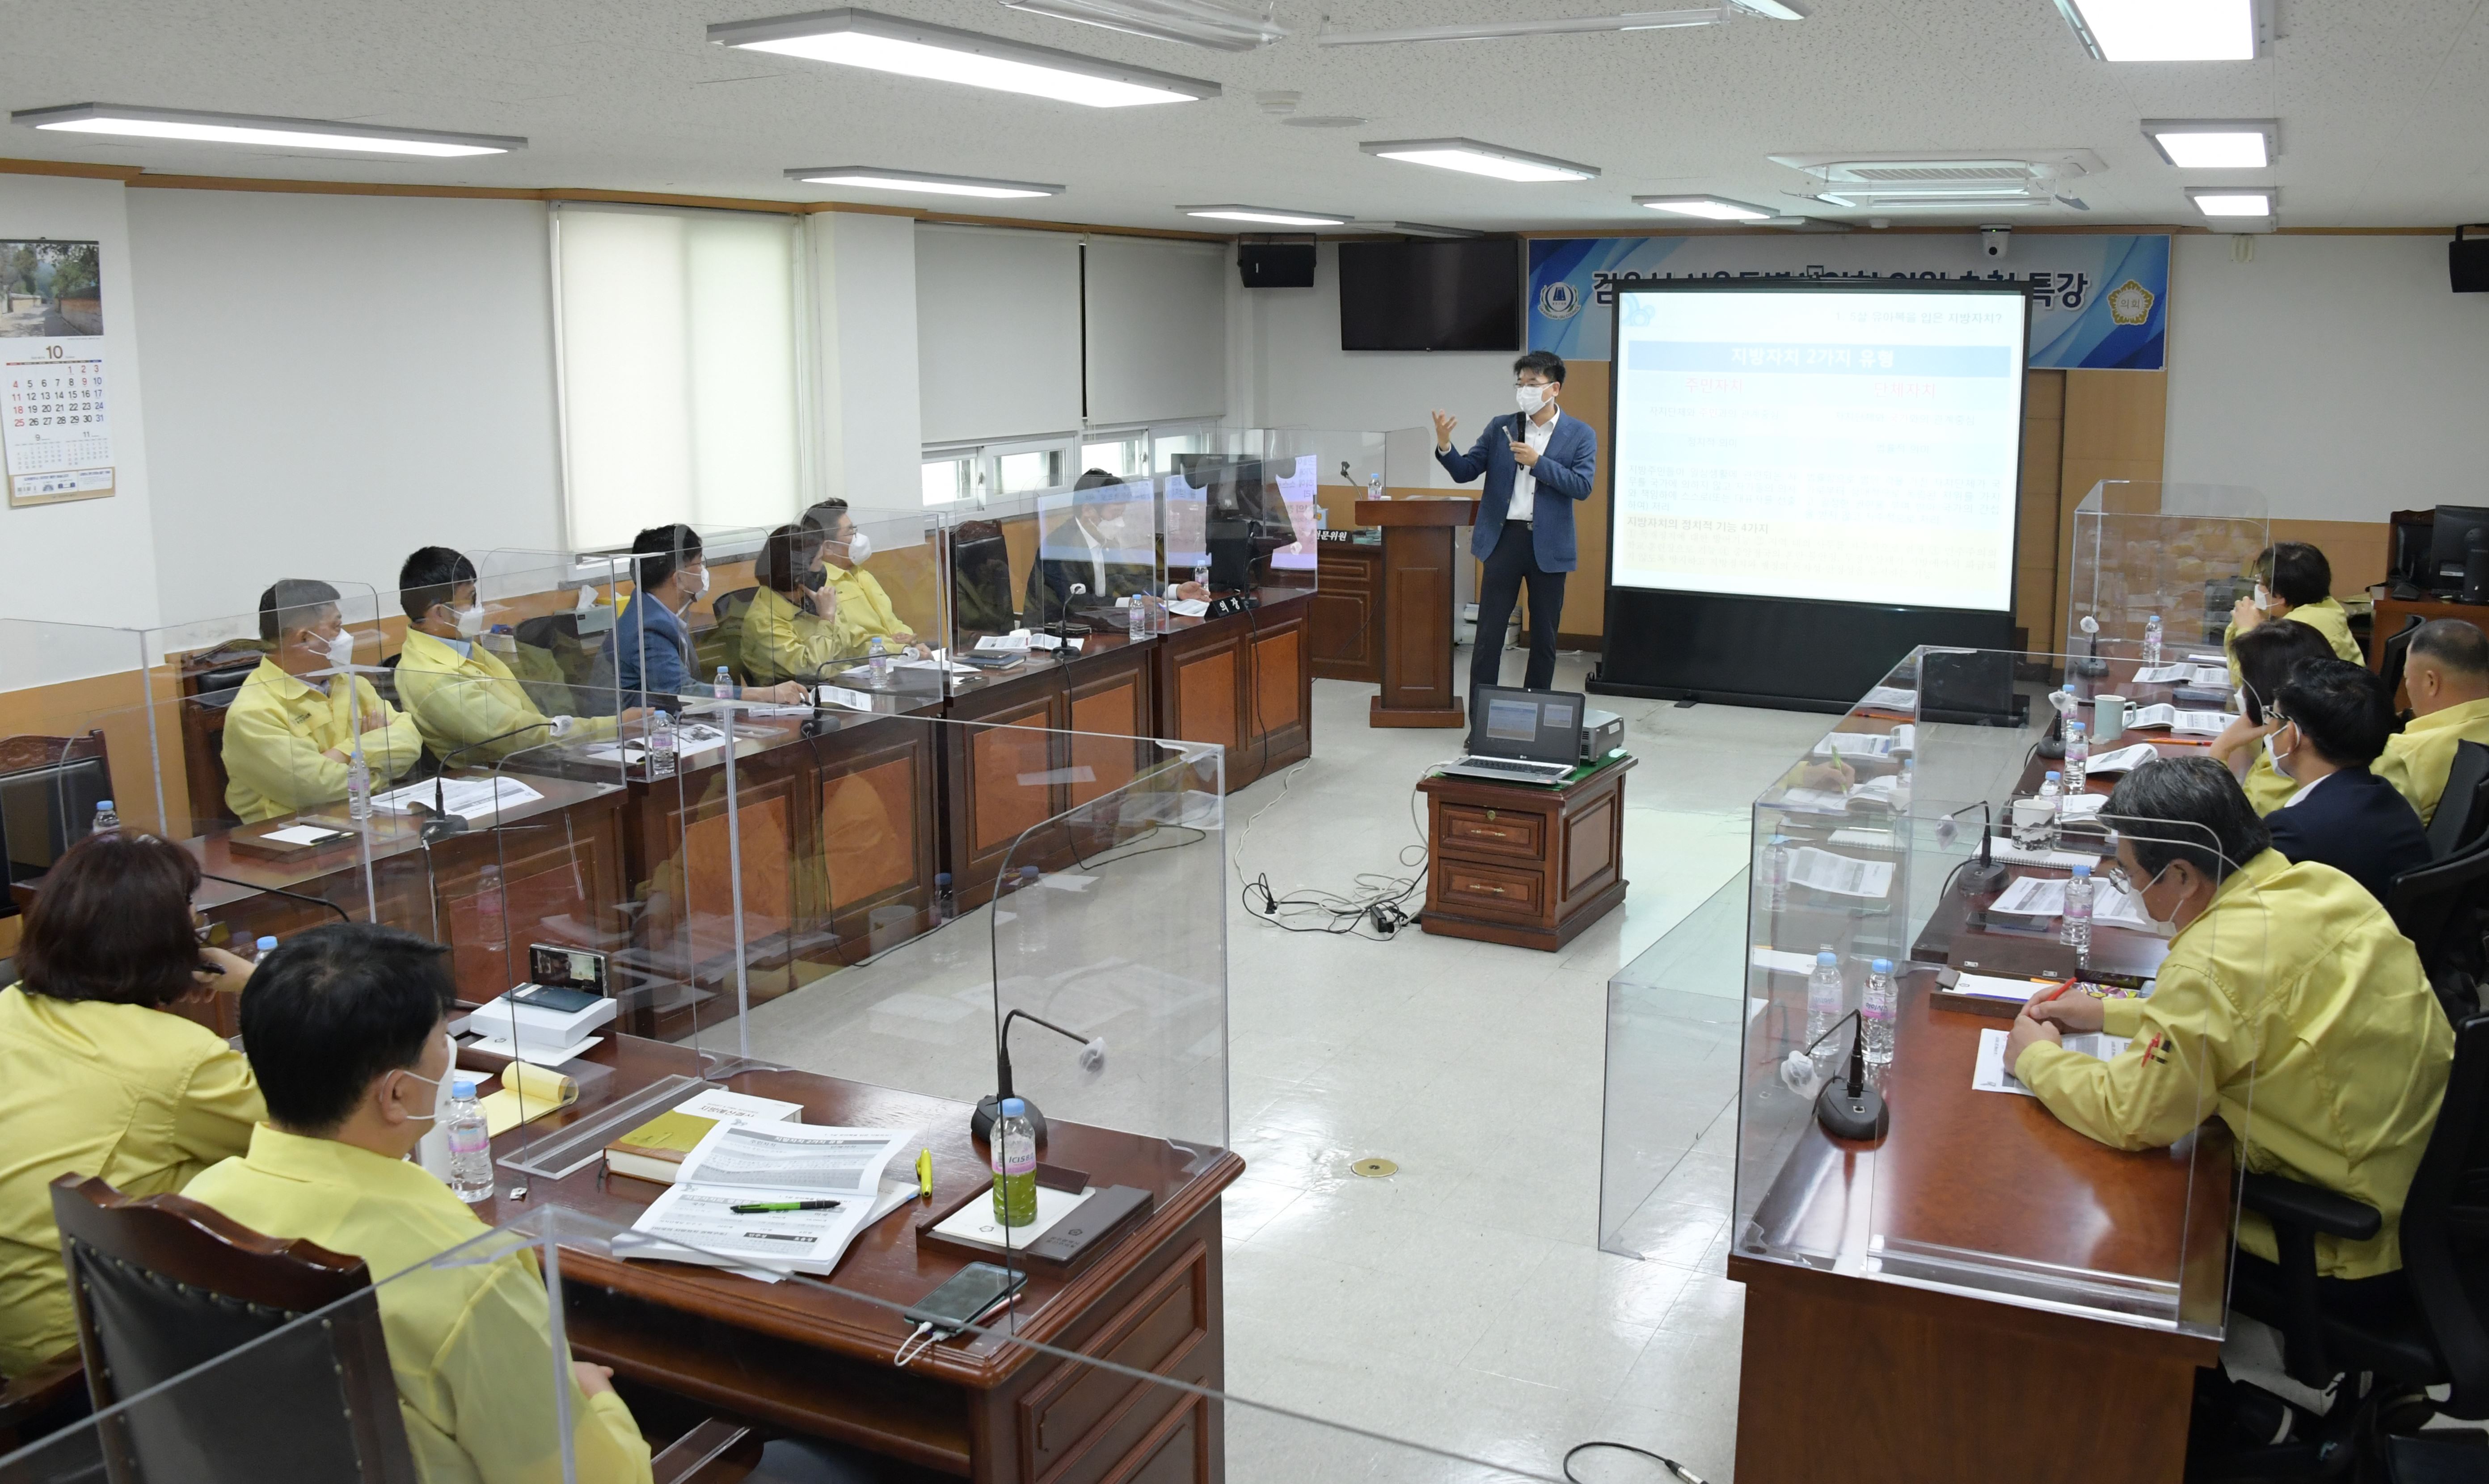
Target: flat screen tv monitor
(2450,536)
(1435,296)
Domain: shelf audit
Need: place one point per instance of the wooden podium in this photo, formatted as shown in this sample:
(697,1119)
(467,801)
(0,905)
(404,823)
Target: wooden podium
(1417,557)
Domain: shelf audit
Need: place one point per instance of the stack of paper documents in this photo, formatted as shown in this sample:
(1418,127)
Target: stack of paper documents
(1840,876)
(1890,698)
(1990,1076)
(2045,897)
(749,1164)
(2201,723)
(468,798)
(2124,759)
(2185,674)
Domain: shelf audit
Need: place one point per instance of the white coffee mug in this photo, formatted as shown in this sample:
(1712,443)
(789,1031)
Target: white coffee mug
(2108,718)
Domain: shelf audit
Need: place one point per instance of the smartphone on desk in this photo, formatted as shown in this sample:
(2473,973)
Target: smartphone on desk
(561,999)
(972,1293)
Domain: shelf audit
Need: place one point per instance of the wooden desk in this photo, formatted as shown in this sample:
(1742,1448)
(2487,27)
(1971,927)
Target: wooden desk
(2391,611)
(816,1355)
(1345,630)
(1921,1375)
(1522,865)
(1419,688)
(1244,681)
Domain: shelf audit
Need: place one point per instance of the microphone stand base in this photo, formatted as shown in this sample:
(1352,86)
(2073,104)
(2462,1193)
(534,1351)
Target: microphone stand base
(441,827)
(1979,878)
(980,1125)
(1844,1117)
(2089,665)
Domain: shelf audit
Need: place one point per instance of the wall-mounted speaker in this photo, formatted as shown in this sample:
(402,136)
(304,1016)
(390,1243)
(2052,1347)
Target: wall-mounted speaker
(1290,265)
(2466,263)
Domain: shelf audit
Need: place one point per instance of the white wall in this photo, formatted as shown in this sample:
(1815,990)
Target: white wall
(2338,374)
(865,375)
(1293,373)
(342,379)
(51,556)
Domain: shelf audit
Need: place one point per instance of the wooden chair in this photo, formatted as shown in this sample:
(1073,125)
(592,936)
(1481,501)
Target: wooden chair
(164,1284)
(42,1401)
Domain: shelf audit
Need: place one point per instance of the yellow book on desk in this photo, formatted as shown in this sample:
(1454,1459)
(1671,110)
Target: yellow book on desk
(655,1150)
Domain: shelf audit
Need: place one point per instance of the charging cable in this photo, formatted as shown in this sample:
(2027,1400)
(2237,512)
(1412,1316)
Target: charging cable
(924,1332)
(1676,1470)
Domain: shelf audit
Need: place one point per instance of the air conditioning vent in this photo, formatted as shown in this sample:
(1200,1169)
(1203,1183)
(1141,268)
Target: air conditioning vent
(1894,180)
(2010,170)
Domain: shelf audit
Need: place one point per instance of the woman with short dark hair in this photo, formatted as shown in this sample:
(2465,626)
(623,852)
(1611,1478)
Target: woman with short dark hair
(98,1076)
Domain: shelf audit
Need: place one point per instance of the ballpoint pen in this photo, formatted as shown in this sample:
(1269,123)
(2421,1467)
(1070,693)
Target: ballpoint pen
(757,1208)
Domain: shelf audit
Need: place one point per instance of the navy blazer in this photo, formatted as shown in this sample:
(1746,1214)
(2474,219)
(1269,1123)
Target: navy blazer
(1563,472)
(2357,823)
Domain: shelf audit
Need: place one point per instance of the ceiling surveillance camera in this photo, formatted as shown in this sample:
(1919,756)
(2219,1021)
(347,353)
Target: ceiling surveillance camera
(1993,241)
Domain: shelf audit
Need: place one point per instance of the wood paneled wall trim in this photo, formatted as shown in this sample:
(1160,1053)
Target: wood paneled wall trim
(134,176)
(1663,229)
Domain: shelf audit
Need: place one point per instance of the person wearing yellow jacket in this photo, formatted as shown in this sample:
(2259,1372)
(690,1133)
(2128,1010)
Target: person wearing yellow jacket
(2292,581)
(98,1074)
(2265,657)
(347,1030)
(790,630)
(291,733)
(864,610)
(463,698)
(2288,1005)
(2445,673)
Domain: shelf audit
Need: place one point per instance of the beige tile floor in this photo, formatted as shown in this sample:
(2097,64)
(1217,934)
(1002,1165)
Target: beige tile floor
(1464,1302)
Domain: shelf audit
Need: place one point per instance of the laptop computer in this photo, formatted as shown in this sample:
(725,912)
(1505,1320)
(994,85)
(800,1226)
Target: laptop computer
(1523,736)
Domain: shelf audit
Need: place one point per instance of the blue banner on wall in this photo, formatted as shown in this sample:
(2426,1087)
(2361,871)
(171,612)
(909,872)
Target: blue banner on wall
(2099,301)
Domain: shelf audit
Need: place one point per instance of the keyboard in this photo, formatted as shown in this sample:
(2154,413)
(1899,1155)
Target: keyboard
(1515,765)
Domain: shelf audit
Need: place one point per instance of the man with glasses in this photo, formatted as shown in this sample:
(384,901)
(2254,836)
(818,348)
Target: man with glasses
(2333,719)
(1537,464)
(2289,1005)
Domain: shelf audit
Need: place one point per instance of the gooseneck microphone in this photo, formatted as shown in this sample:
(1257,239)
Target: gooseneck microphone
(1847,1108)
(343,915)
(1983,875)
(1092,1060)
(442,824)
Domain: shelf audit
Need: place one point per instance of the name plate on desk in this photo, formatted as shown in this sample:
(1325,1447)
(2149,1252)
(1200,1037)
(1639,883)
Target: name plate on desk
(1069,1230)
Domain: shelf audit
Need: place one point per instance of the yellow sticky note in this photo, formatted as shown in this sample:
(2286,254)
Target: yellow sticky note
(529,1091)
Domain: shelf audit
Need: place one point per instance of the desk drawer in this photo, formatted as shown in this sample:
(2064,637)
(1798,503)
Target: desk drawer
(1503,831)
(1472,886)
(1080,1419)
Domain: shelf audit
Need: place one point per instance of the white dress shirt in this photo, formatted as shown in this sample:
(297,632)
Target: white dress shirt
(1525,484)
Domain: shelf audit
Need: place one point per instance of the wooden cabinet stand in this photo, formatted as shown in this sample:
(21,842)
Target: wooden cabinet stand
(1523,866)
(1417,556)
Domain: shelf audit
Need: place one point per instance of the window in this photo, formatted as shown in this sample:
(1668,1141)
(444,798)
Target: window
(680,388)
(1037,468)
(1124,455)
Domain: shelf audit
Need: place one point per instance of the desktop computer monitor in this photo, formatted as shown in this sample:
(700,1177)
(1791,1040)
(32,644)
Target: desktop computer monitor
(1236,518)
(2449,537)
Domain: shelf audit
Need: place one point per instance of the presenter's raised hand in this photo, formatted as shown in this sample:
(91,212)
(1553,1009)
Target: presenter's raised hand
(1444,422)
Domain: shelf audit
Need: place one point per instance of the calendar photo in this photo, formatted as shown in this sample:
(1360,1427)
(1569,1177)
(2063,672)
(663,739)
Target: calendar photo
(51,291)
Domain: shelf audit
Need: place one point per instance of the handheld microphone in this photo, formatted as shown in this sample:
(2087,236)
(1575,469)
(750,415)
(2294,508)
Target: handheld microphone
(442,824)
(1092,1061)
(277,891)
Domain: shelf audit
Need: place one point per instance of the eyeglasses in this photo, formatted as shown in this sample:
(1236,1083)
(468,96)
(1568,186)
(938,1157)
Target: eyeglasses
(2118,879)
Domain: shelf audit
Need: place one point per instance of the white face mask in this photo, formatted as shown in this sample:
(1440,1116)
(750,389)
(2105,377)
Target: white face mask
(340,648)
(470,622)
(2263,599)
(1530,399)
(859,549)
(438,1096)
(2157,921)
(2275,755)
(695,584)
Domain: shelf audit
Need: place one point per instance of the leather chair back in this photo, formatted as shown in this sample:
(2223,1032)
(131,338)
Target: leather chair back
(2445,1226)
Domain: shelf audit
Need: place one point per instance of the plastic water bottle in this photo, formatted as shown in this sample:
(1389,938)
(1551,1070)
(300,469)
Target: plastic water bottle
(665,746)
(2052,793)
(877,660)
(1032,916)
(946,902)
(2075,930)
(1013,1146)
(1201,574)
(723,687)
(1776,865)
(1374,487)
(2079,755)
(1876,1012)
(1823,994)
(107,819)
(359,786)
(488,894)
(1905,784)
(471,1145)
(2152,640)
(260,950)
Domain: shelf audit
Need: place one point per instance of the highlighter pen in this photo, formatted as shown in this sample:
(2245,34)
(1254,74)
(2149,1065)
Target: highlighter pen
(757,1208)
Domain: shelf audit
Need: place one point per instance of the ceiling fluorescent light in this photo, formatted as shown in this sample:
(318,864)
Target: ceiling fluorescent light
(1420,229)
(854,37)
(1774,10)
(1270,215)
(1710,208)
(873,178)
(2258,201)
(2170,30)
(1476,158)
(1481,31)
(1194,23)
(2215,143)
(251,129)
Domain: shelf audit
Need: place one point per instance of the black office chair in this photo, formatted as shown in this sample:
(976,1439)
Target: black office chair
(48,790)
(2462,817)
(723,643)
(2444,908)
(2397,654)
(2436,1334)
(980,595)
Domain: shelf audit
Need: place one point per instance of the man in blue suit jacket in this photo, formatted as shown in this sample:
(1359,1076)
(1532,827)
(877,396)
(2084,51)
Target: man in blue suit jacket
(1537,462)
(2335,717)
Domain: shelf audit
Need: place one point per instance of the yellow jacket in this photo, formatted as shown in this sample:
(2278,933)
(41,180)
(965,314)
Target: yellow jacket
(2325,615)
(864,610)
(142,1097)
(470,1342)
(2294,1009)
(279,731)
(781,641)
(2417,759)
(457,699)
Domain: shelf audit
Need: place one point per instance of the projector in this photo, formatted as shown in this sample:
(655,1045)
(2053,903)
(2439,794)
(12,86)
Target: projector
(1602,731)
